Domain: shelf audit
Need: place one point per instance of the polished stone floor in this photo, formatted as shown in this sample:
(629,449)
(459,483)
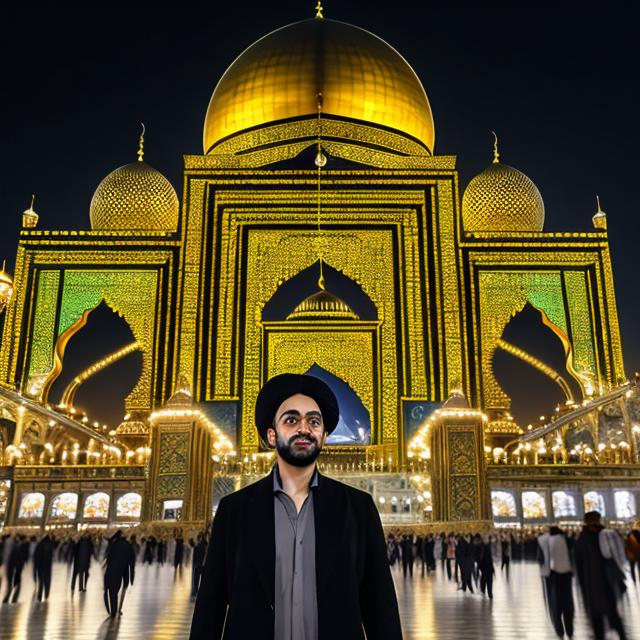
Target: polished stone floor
(158,607)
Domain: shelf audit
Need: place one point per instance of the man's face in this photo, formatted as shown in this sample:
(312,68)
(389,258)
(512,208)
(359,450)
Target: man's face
(298,433)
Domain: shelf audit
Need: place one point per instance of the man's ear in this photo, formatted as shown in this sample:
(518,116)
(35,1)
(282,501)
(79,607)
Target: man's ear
(271,437)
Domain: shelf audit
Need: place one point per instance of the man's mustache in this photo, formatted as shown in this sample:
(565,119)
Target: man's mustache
(309,439)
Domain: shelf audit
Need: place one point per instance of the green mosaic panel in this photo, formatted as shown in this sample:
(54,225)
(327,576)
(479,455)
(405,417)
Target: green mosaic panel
(584,358)
(41,356)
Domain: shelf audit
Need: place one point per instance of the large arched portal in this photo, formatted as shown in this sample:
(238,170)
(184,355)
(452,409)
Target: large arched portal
(531,366)
(308,327)
(93,356)
(354,426)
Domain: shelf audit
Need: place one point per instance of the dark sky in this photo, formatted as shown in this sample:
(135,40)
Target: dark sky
(555,80)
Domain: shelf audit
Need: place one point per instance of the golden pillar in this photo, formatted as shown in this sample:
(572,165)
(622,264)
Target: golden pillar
(183,440)
(459,481)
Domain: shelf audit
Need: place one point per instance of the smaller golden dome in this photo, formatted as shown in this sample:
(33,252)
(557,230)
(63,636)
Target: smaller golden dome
(6,289)
(502,198)
(322,305)
(135,197)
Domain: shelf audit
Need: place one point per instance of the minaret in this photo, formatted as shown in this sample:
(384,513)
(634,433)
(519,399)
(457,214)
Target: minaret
(600,218)
(29,216)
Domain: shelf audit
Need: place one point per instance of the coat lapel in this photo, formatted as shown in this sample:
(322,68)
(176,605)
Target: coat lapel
(330,511)
(260,534)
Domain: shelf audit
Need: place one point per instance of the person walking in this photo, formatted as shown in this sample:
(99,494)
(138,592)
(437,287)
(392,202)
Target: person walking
(487,570)
(82,552)
(594,578)
(296,555)
(632,548)
(450,551)
(505,547)
(178,554)
(42,565)
(407,555)
(120,566)
(199,551)
(18,556)
(560,582)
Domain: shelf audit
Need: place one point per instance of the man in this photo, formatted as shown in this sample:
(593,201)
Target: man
(120,564)
(594,578)
(42,563)
(297,555)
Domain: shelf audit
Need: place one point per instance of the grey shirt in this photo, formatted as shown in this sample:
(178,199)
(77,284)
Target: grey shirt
(296,604)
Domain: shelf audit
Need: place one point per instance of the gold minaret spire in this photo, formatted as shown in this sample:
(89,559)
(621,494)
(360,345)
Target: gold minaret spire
(600,217)
(496,155)
(320,161)
(319,10)
(141,143)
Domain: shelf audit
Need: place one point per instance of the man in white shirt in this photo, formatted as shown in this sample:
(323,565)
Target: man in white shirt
(560,582)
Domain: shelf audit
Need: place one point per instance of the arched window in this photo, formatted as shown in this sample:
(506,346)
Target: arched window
(129,505)
(64,506)
(31,506)
(96,506)
(625,503)
(503,504)
(594,501)
(533,505)
(564,504)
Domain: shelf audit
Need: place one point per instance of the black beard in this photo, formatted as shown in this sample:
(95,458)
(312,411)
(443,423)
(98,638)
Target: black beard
(302,458)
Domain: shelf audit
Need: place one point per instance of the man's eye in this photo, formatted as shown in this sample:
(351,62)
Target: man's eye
(291,420)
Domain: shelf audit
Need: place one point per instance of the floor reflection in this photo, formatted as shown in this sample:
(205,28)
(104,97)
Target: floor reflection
(158,607)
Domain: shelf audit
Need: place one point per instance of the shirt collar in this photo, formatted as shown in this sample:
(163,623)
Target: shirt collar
(277,481)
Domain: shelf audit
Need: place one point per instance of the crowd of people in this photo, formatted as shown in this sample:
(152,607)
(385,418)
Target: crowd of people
(117,554)
(600,557)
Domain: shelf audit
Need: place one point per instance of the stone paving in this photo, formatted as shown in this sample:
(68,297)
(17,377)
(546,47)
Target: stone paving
(158,607)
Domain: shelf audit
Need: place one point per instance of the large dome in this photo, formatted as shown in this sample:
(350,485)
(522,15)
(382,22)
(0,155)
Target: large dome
(135,197)
(278,78)
(502,198)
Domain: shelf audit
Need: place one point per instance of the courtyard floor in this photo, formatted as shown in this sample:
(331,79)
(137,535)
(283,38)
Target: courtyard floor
(158,607)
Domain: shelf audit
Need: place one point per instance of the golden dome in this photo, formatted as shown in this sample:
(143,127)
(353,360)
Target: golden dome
(502,198)
(6,289)
(135,197)
(278,78)
(322,305)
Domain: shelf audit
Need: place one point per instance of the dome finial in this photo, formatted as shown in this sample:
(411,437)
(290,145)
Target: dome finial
(496,155)
(600,217)
(141,143)
(319,10)
(29,216)
(321,278)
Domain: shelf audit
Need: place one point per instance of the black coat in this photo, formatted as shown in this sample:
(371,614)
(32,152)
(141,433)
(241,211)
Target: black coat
(43,557)
(595,584)
(354,585)
(121,564)
(82,554)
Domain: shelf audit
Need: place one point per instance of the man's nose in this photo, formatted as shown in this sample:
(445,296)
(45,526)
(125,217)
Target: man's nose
(304,427)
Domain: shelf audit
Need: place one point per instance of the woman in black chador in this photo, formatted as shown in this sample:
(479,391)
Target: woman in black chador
(42,563)
(120,564)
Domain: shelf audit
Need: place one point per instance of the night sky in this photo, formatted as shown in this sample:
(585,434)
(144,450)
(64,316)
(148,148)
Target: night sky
(555,80)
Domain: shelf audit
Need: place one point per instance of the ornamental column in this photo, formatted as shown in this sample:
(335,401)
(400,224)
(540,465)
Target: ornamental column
(183,440)
(459,480)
